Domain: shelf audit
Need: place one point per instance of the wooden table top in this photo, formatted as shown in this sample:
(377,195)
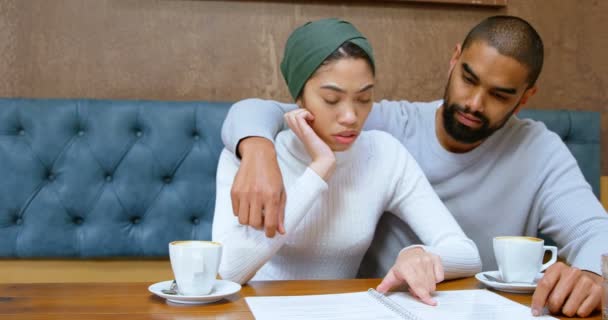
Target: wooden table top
(105,301)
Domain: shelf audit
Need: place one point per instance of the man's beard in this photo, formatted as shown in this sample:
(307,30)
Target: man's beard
(465,134)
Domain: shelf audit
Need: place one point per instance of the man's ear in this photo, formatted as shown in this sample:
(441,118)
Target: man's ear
(528,94)
(524,98)
(455,57)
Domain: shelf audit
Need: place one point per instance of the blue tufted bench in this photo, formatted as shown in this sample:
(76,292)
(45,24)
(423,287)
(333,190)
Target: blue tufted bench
(99,179)
(102,178)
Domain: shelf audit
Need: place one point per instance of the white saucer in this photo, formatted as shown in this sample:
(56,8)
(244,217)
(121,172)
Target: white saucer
(221,289)
(513,287)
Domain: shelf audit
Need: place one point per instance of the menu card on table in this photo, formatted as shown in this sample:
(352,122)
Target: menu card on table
(453,305)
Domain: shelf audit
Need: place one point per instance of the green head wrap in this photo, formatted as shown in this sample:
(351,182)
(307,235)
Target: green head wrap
(309,45)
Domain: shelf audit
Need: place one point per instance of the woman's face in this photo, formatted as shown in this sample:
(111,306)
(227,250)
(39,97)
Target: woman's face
(340,96)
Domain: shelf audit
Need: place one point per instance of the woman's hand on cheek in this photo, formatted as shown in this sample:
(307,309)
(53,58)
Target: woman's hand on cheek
(323,158)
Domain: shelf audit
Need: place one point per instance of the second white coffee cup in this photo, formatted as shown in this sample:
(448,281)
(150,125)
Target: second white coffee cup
(195,265)
(520,259)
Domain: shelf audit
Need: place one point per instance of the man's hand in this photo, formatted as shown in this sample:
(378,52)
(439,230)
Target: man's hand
(419,269)
(258,195)
(569,290)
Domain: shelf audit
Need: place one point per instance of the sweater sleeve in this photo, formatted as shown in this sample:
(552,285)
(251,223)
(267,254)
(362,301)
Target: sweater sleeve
(245,250)
(391,117)
(415,202)
(264,118)
(570,214)
(253,118)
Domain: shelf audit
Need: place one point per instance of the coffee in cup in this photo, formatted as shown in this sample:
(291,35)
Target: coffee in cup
(520,258)
(195,265)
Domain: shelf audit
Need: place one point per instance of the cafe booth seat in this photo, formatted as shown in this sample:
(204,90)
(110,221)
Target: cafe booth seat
(94,190)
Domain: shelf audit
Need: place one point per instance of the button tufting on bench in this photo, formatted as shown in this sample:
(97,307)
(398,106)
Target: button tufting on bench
(103,173)
(78,220)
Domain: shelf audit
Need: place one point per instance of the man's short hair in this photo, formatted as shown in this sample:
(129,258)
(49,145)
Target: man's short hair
(513,37)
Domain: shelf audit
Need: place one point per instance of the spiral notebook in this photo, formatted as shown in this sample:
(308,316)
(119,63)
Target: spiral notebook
(453,305)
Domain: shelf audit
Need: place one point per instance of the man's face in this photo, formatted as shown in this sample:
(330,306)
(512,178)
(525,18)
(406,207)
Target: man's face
(484,89)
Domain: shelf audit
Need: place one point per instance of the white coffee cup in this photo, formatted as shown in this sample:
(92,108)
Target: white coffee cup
(520,258)
(195,265)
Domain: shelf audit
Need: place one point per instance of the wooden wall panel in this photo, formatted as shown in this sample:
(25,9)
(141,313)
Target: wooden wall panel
(229,50)
(604,191)
(56,270)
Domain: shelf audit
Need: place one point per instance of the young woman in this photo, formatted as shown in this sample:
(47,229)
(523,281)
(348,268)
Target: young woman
(339,180)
